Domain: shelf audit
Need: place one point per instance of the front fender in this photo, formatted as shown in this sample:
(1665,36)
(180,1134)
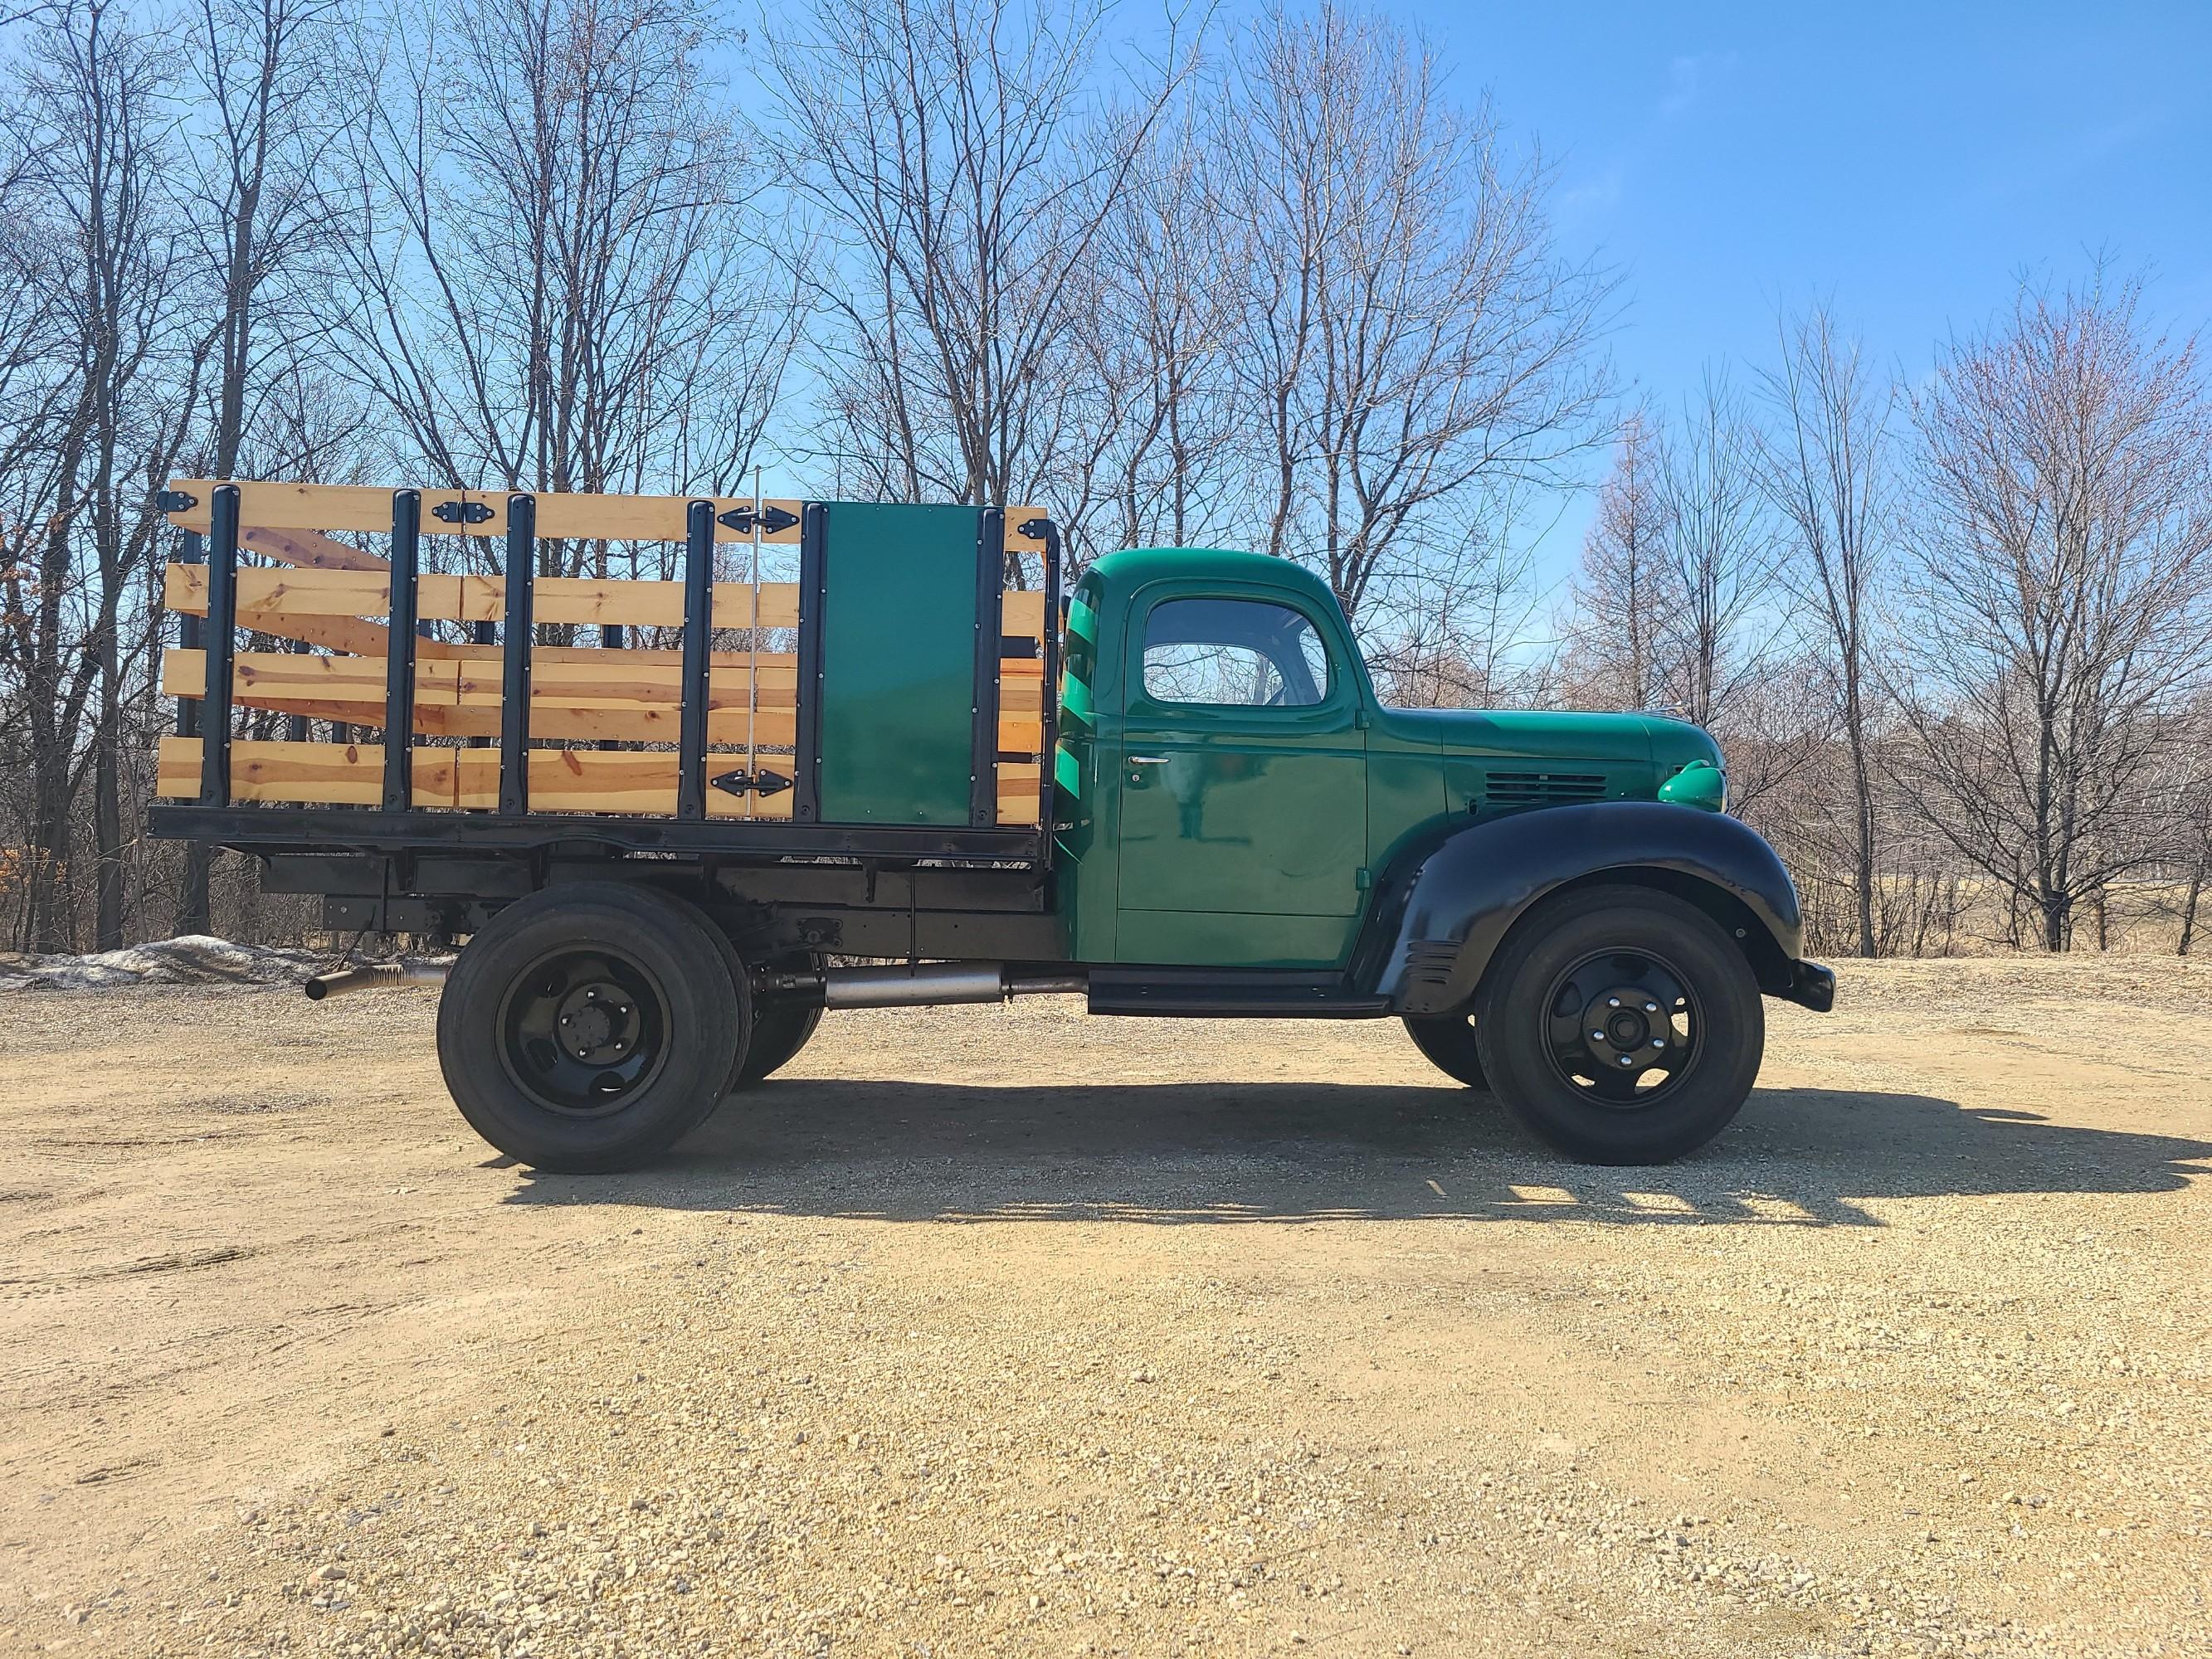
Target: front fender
(1445,918)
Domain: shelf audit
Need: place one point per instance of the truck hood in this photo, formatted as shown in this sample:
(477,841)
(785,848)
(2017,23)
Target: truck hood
(1644,739)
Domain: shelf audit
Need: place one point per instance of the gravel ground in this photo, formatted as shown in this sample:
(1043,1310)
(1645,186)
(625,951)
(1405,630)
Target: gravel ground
(1011,1332)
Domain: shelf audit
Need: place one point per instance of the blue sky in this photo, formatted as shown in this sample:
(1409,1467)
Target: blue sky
(1906,161)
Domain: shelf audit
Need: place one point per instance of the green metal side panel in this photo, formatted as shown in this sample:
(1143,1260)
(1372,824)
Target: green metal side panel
(898,663)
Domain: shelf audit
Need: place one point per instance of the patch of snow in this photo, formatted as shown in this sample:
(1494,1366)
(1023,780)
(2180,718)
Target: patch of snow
(194,959)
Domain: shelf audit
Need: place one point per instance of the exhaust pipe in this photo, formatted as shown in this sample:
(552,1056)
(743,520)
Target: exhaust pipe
(377,976)
(926,985)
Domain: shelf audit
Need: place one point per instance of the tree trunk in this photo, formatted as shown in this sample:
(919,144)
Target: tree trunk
(2055,907)
(107,823)
(2189,908)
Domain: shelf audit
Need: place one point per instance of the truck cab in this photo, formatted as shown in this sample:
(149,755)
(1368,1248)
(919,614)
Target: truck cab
(1230,785)
(1175,793)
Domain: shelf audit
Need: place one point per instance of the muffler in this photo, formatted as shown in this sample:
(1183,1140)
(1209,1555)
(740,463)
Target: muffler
(933,983)
(377,976)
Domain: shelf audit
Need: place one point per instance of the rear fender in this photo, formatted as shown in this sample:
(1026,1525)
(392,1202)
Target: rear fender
(1443,912)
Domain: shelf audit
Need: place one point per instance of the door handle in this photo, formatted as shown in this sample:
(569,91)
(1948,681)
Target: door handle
(1148,760)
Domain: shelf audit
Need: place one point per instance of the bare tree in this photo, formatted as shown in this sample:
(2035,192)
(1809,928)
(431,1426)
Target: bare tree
(1720,555)
(956,153)
(1624,590)
(1148,453)
(1412,334)
(2063,582)
(561,283)
(1829,470)
(89,118)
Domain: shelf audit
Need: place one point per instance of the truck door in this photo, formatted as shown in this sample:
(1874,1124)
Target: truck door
(1243,786)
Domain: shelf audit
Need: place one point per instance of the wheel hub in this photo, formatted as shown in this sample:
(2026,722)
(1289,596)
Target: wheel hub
(598,1023)
(1626,1027)
(584,1030)
(1621,1028)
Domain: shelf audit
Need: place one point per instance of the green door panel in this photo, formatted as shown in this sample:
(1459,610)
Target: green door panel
(1218,939)
(898,661)
(1242,829)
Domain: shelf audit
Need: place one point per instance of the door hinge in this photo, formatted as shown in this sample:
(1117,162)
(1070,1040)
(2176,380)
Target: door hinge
(461,512)
(742,782)
(770,519)
(1362,879)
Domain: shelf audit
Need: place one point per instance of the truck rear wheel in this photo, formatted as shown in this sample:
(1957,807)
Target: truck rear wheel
(1621,1025)
(780,1031)
(1448,1042)
(588,1028)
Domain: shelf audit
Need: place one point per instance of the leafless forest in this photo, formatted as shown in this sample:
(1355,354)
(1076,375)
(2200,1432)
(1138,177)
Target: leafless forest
(1265,285)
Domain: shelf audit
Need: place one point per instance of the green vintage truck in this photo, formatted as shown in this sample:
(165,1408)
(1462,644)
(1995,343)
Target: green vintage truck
(676,815)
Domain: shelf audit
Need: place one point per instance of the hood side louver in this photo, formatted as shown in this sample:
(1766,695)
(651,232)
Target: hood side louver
(1503,790)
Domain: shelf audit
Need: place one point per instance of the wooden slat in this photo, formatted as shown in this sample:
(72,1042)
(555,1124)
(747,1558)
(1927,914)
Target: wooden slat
(317,774)
(560,780)
(311,548)
(368,508)
(267,598)
(1022,612)
(583,697)
(1017,543)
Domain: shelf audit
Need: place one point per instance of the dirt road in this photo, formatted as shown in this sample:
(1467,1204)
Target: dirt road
(1010,1331)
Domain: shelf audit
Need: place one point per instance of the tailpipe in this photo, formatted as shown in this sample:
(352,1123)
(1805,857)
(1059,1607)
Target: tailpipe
(923,985)
(377,976)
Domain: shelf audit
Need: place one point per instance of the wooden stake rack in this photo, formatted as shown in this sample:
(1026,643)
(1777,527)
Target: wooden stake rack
(515,728)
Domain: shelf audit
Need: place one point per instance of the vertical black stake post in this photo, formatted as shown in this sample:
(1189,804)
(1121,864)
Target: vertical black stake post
(519,634)
(698,629)
(813,591)
(222,624)
(191,636)
(983,708)
(399,667)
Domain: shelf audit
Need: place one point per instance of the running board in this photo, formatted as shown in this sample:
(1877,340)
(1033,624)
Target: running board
(1229,993)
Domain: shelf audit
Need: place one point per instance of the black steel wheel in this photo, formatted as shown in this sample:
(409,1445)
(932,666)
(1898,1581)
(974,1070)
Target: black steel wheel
(588,1028)
(1448,1042)
(1621,1025)
(780,1031)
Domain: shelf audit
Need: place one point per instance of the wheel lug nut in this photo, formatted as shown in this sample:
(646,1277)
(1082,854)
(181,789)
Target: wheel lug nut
(1597,1037)
(1658,1042)
(1613,1002)
(1650,1007)
(1628,1060)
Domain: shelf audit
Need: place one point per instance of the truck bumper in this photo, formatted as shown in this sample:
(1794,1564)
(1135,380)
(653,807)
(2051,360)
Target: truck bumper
(1812,984)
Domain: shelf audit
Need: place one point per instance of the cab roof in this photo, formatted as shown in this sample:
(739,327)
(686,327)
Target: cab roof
(1120,574)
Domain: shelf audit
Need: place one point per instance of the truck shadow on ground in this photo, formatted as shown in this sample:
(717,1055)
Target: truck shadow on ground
(1286,1152)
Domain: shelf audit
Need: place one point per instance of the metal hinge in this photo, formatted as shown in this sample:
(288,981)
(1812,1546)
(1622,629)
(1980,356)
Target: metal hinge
(742,782)
(174,500)
(461,512)
(772,518)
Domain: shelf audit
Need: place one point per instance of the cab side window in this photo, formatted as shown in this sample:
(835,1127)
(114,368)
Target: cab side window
(1242,654)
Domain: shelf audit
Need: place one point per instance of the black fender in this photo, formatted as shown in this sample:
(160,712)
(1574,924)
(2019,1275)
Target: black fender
(1442,915)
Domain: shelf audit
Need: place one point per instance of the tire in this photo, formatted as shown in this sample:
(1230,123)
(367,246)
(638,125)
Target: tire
(780,1031)
(1448,1040)
(1576,991)
(636,974)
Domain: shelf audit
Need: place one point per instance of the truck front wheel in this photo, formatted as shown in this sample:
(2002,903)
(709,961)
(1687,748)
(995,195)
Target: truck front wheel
(1621,1025)
(588,1028)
